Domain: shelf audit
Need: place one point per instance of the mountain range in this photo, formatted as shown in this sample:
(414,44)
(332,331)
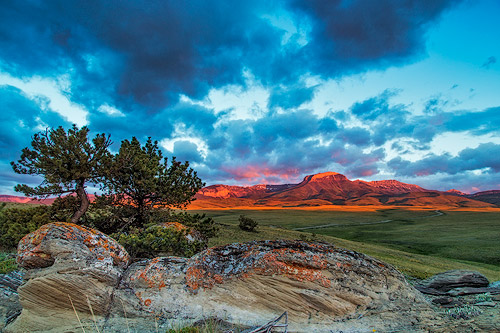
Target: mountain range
(332,188)
(326,189)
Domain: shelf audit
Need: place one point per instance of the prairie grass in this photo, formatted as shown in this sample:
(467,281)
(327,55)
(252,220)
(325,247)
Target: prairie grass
(416,244)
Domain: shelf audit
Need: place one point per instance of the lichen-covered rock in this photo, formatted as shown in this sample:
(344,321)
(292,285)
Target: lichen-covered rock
(40,248)
(72,269)
(322,287)
(68,267)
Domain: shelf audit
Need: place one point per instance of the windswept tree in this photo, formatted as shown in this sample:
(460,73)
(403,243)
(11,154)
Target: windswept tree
(140,179)
(66,161)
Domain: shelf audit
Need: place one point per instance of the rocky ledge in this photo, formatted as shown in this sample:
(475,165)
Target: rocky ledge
(77,278)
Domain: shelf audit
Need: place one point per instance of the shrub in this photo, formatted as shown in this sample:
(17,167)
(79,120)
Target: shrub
(464,312)
(247,224)
(7,263)
(200,222)
(156,240)
(15,223)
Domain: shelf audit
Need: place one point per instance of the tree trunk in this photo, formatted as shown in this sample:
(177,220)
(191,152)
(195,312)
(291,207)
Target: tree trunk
(84,202)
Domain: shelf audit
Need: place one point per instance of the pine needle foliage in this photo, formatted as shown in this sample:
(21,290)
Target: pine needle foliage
(67,161)
(141,179)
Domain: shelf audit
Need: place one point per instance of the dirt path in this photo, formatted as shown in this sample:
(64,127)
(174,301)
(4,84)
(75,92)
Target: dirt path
(438,213)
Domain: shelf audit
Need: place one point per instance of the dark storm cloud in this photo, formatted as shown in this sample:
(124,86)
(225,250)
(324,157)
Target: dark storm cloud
(142,57)
(350,34)
(20,118)
(132,54)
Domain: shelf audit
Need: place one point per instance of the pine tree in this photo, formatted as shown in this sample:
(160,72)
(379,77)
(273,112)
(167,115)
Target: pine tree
(140,179)
(66,161)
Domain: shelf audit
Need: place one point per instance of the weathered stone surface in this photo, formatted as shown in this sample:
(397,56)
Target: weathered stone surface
(442,300)
(321,287)
(472,291)
(490,304)
(448,280)
(9,299)
(53,241)
(68,266)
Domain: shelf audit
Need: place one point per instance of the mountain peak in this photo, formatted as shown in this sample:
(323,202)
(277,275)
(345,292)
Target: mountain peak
(323,175)
(456,192)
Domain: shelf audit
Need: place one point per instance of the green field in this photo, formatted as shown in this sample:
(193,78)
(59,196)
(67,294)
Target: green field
(419,243)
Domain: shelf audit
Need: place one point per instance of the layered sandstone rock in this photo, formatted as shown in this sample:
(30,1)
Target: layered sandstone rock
(74,270)
(320,286)
(68,267)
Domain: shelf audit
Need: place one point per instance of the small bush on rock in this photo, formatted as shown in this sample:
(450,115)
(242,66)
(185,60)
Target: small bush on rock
(247,224)
(157,240)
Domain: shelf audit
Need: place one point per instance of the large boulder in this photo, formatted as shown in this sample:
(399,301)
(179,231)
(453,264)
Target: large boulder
(322,288)
(79,278)
(69,268)
(451,282)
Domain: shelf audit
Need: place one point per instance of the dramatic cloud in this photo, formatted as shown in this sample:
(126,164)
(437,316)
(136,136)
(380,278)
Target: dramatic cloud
(350,34)
(482,158)
(20,118)
(171,71)
(127,54)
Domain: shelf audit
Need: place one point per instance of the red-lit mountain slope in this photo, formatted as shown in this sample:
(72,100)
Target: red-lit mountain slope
(330,188)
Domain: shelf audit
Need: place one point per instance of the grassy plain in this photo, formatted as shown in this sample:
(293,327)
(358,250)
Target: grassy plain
(420,243)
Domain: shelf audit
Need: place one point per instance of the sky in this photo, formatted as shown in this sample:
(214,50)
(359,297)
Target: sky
(264,91)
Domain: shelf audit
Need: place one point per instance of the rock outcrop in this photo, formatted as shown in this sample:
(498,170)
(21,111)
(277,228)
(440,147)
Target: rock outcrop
(320,286)
(67,267)
(9,299)
(74,270)
(455,283)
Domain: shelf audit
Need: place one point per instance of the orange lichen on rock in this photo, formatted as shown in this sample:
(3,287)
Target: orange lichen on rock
(296,260)
(156,272)
(34,250)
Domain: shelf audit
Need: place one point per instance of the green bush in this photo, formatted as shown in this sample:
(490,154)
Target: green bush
(156,240)
(15,223)
(7,263)
(201,223)
(247,224)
